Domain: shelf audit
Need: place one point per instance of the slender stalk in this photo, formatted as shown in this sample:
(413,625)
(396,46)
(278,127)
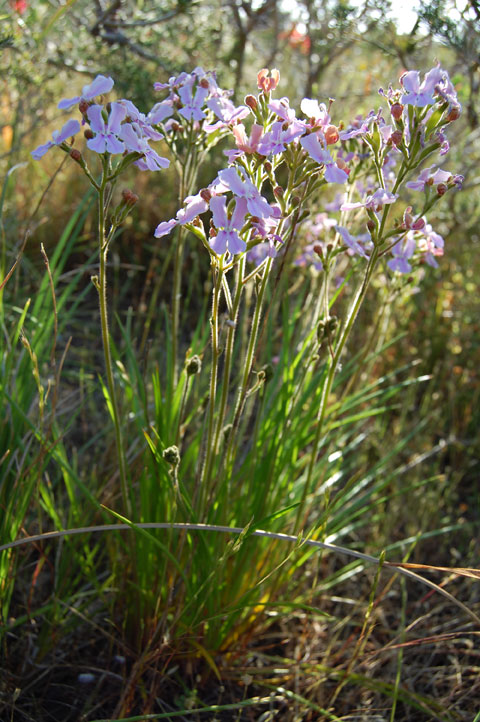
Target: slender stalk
(101,286)
(228,357)
(188,175)
(177,281)
(218,275)
(248,363)
(334,360)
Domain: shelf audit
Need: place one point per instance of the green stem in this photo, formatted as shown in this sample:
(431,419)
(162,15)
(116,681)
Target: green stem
(248,363)
(188,175)
(218,274)
(228,359)
(177,281)
(102,294)
(327,386)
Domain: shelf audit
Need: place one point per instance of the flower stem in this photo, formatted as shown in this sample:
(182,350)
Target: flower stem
(102,294)
(214,321)
(327,386)
(247,365)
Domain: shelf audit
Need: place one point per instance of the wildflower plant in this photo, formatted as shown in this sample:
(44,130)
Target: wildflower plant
(347,200)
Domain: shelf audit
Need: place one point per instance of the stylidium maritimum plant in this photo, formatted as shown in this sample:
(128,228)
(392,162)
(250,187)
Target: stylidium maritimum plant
(276,175)
(295,192)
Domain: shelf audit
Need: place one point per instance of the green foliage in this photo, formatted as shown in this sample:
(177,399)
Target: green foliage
(397,461)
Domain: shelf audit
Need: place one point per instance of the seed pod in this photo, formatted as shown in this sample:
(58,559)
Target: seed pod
(193,365)
(171,455)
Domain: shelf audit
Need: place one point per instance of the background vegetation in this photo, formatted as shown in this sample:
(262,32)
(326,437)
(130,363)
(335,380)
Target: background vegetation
(334,640)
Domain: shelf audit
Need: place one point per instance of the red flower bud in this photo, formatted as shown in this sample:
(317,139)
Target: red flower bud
(83,106)
(442,189)
(204,83)
(75,155)
(251,101)
(129,198)
(396,110)
(418,225)
(396,137)
(88,133)
(453,114)
(205,194)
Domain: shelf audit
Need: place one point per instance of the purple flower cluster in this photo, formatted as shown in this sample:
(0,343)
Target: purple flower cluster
(119,128)
(313,149)
(198,99)
(424,244)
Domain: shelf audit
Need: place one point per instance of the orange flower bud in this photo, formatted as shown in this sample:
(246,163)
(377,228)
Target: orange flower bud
(266,83)
(331,134)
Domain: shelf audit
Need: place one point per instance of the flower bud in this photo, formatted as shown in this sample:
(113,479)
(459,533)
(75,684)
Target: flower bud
(396,110)
(129,198)
(418,224)
(453,113)
(266,373)
(268,166)
(342,165)
(83,107)
(171,455)
(75,155)
(396,137)
(442,189)
(205,194)
(266,83)
(331,324)
(193,365)
(371,225)
(278,192)
(331,134)
(88,133)
(251,101)
(318,250)
(204,83)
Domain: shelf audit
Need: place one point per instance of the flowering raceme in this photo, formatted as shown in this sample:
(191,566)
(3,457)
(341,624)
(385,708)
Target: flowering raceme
(372,159)
(277,136)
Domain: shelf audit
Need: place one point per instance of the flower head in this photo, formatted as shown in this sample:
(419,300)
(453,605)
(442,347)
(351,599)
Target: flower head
(106,132)
(257,205)
(99,86)
(227,238)
(351,242)
(70,128)
(333,174)
(374,202)
(267,83)
(192,104)
(131,134)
